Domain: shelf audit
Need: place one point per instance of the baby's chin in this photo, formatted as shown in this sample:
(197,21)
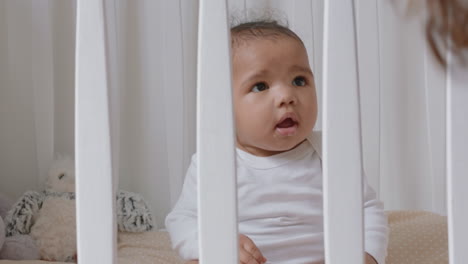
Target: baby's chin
(280,148)
(291,145)
(270,148)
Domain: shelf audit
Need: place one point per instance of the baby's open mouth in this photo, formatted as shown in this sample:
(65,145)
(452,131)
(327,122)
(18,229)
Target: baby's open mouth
(287,127)
(288,122)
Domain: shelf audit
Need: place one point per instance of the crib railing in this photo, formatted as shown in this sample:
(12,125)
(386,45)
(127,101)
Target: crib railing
(342,151)
(217,211)
(95,195)
(218,226)
(457,163)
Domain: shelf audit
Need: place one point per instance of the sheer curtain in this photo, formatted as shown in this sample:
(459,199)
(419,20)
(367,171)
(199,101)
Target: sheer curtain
(412,113)
(36,90)
(152,55)
(154,96)
(152,70)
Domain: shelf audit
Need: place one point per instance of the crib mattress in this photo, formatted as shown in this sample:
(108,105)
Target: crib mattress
(141,248)
(416,237)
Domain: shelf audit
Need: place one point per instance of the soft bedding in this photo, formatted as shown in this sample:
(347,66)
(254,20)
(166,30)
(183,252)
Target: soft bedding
(142,248)
(416,237)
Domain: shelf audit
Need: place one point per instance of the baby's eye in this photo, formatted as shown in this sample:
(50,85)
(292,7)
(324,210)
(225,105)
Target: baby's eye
(299,81)
(259,87)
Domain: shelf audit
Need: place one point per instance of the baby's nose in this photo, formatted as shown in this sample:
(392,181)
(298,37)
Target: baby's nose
(286,96)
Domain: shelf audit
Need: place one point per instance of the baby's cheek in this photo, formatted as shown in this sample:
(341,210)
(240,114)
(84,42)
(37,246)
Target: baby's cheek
(250,132)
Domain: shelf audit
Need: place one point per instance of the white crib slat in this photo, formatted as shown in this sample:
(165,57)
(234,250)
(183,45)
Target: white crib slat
(457,165)
(112,47)
(94,187)
(342,167)
(215,138)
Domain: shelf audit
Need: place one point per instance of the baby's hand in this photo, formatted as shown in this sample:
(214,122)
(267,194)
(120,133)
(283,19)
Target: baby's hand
(370,259)
(248,251)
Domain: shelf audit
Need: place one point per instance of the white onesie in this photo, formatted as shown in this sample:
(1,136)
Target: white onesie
(279,207)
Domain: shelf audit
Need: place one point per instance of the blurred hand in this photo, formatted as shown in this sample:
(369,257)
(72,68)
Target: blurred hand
(248,251)
(370,259)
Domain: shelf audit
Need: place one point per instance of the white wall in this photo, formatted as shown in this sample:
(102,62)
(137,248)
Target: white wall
(154,96)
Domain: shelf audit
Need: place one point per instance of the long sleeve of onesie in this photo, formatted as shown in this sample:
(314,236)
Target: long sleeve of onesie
(182,222)
(375,225)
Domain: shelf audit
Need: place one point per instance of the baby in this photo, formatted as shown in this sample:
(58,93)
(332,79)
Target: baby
(279,171)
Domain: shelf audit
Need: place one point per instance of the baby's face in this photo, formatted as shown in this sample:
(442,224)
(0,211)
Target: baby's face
(275,104)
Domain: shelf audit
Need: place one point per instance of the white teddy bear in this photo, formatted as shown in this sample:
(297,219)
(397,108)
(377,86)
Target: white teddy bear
(54,228)
(50,218)
(61,176)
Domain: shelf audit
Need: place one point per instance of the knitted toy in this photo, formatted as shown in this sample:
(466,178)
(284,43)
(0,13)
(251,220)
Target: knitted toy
(2,233)
(18,247)
(49,216)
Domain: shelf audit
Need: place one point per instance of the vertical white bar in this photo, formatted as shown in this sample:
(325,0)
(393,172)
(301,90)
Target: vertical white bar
(342,165)
(457,163)
(215,138)
(94,184)
(112,56)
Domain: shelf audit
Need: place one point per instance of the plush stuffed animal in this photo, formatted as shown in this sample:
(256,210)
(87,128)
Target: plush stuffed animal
(18,247)
(49,216)
(2,233)
(54,225)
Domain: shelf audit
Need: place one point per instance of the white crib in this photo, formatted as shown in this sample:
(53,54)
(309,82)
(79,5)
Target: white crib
(95,185)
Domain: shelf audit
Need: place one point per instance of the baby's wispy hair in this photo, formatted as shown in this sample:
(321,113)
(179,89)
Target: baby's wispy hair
(254,24)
